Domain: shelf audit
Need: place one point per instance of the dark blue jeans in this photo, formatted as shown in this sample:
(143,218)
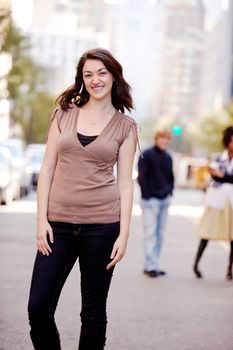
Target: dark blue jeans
(92,244)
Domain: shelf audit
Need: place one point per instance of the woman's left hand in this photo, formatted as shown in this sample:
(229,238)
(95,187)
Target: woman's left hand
(118,251)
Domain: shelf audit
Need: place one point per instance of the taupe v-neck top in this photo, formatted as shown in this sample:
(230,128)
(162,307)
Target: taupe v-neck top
(84,188)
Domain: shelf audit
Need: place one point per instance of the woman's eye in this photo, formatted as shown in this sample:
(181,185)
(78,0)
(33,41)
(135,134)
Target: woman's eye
(103,73)
(87,76)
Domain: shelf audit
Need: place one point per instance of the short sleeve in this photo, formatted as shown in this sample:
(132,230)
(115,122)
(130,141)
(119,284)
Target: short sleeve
(215,157)
(131,124)
(57,113)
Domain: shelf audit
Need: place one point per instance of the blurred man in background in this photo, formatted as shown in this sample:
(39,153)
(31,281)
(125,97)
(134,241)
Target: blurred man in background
(156,180)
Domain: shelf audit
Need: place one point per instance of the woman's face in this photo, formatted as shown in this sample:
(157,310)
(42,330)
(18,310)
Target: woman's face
(162,143)
(97,79)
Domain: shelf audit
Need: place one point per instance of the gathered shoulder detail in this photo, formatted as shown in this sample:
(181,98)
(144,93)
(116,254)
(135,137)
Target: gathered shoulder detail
(131,124)
(58,114)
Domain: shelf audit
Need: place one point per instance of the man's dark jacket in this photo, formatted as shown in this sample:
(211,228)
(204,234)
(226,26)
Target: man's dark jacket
(155,174)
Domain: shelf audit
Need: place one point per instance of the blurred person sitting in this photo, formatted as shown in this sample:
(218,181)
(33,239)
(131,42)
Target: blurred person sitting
(217,220)
(156,180)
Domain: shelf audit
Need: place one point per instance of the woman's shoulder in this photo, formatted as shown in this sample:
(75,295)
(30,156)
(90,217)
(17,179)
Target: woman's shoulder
(218,156)
(71,107)
(125,124)
(63,115)
(126,119)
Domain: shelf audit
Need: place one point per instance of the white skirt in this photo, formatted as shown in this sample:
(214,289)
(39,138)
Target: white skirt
(216,224)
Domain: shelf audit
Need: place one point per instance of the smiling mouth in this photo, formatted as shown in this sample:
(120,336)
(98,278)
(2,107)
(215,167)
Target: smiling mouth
(97,88)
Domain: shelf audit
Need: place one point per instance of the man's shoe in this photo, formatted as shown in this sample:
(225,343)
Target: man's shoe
(152,273)
(162,273)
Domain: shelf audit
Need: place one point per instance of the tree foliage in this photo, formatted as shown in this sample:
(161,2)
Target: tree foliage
(209,133)
(31,105)
(179,143)
(34,120)
(4,25)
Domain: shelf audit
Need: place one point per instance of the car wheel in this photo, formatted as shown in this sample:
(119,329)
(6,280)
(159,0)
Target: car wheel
(7,196)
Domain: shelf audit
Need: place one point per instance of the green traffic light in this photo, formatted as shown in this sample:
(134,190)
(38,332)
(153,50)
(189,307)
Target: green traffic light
(177,130)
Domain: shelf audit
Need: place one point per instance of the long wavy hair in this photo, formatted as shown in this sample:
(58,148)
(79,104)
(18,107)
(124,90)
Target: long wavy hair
(77,93)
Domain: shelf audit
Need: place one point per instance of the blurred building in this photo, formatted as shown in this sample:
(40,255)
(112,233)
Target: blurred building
(131,29)
(5,66)
(183,49)
(136,30)
(160,43)
(217,64)
(61,31)
(172,51)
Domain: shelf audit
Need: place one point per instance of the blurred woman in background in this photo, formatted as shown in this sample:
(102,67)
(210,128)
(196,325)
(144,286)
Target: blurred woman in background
(217,220)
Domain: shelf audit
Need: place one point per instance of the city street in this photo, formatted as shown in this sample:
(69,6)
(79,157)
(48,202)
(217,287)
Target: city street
(175,312)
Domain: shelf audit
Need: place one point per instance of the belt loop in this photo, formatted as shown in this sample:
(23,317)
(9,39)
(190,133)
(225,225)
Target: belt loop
(77,229)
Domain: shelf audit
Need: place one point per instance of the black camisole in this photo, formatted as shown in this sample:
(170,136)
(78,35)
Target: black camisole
(85,139)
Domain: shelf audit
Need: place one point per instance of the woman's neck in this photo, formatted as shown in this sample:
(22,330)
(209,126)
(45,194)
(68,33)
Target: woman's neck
(101,106)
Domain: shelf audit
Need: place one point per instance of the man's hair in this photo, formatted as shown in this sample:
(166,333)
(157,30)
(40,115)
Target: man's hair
(162,133)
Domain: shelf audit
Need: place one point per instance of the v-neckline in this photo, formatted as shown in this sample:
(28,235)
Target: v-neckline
(98,136)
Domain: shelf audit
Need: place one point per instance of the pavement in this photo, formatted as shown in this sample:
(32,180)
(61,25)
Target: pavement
(175,312)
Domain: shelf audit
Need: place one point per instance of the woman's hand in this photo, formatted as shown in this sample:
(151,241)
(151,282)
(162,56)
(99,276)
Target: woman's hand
(118,251)
(214,172)
(43,231)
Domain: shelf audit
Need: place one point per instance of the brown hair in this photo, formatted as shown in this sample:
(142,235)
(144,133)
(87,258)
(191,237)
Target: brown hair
(77,93)
(162,133)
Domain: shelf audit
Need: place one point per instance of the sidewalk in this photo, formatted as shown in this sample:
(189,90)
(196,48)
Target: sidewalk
(176,312)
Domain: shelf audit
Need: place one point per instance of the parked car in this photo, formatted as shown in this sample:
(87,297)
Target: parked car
(34,155)
(9,178)
(16,148)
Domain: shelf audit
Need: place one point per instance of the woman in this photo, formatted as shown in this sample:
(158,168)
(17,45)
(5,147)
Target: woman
(83,212)
(217,220)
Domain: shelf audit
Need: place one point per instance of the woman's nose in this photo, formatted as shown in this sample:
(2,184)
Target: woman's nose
(95,79)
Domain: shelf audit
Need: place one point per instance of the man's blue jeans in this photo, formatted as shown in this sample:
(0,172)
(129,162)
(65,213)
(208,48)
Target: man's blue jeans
(154,213)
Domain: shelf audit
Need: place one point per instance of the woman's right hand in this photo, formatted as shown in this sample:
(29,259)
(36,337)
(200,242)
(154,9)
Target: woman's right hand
(44,230)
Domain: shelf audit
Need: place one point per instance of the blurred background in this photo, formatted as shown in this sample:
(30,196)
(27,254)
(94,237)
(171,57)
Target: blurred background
(176,55)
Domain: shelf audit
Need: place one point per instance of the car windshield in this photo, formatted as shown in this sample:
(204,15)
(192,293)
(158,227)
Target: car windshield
(15,149)
(3,162)
(36,157)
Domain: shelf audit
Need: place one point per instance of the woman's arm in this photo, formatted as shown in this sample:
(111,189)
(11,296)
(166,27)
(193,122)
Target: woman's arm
(125,183)
(219,176)
(43,188)
(224,179)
